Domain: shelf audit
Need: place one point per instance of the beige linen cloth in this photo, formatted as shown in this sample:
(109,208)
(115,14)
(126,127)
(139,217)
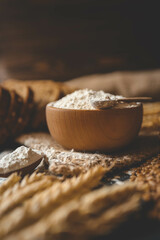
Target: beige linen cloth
(128,84)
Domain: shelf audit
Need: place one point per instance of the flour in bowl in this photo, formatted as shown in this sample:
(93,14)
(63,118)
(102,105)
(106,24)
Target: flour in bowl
(82,99)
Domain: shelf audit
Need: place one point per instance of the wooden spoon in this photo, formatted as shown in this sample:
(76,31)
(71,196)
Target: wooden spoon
(105,104)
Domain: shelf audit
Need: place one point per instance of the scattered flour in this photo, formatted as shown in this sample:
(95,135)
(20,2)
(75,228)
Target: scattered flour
(18,159)
(82,99)
(60,158)
(71,163)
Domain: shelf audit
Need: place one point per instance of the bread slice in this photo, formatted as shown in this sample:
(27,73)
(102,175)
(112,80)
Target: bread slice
(25,113)
(15,111)
(4,108)
(44,91)
(4,103)
(12,116)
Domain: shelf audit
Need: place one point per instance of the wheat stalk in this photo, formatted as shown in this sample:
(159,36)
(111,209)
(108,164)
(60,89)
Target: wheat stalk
(22,194)
(78,212)
(80,226)
(113,217)
(79,222)
(19,185)
(50,199)
(97,201)
(10,182)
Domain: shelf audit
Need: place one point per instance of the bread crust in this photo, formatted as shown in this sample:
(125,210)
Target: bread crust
(25,113)
(4,103)
(13,111)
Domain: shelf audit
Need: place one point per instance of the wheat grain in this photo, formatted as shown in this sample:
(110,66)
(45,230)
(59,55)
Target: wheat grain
(149,174)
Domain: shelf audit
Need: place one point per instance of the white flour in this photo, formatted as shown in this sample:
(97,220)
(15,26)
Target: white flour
(18,159)
(82,99)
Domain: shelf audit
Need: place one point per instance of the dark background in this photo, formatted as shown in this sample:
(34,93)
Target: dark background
(60,40)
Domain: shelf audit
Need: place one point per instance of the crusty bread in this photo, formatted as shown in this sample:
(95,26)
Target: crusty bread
(45,91)
(25,113)
(15,112)
(5,99)
(4,103)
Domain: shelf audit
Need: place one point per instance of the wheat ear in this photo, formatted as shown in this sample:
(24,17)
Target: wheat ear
(10,182)
(113,217)
(77,211)
(19,185)
(41,204)
(94,207)
(22,194)
(99,200)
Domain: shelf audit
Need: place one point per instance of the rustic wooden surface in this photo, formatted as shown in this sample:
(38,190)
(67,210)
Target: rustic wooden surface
(66,39)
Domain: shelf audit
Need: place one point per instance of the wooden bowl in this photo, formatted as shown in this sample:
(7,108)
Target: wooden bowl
(91,130)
